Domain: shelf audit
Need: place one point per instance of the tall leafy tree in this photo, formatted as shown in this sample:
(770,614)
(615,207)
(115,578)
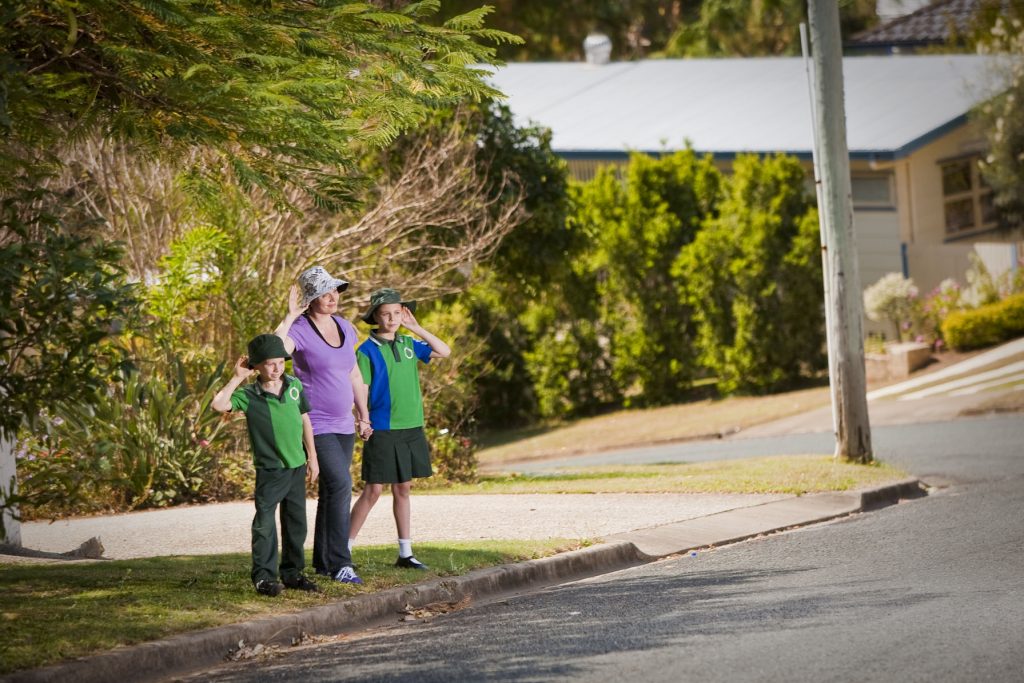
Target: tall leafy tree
(284,92)
(999,30)
(752,277)
(639,224)
(554,31)
(753,28)
(282,89)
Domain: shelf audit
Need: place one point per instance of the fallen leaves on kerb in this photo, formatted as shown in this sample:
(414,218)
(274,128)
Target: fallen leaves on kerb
(433,609)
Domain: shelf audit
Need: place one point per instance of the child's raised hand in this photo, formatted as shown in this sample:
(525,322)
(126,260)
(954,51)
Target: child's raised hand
(408,319)
(242,369)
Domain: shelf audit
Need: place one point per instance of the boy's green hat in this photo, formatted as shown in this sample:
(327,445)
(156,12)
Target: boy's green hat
(385,296)
(264,347)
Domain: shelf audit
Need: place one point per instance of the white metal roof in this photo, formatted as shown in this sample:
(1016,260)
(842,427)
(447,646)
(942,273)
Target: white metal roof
(726,106)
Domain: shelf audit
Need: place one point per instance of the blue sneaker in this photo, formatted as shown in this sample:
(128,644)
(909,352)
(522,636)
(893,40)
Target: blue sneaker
(347,575)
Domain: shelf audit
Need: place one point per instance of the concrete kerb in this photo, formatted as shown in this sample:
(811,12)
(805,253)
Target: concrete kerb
(179,655)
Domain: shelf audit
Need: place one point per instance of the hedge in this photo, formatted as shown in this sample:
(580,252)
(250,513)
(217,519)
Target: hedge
(986,325)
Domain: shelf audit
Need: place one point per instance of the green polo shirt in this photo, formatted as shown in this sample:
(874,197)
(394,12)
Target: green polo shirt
(275,423)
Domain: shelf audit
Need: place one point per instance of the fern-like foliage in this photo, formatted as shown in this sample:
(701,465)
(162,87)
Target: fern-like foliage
(278,87)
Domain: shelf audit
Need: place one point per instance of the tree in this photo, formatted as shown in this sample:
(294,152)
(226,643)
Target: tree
(555,30)
(640,224)
(284,94)
(754,28)
(752,277)
(61,297)
(1001,118)
(281,90)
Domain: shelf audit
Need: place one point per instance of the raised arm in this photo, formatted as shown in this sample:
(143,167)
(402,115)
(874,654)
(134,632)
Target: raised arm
(438,349)
(222,401)
(294,311)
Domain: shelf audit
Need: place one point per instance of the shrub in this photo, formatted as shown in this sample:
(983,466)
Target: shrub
(893,299)
(986,325)
(140,442)
(752,277)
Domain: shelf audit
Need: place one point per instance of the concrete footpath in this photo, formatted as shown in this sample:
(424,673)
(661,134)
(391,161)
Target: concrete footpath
(700,522)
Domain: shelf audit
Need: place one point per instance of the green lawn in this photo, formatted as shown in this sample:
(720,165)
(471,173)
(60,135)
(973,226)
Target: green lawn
(795,474)
(54,612)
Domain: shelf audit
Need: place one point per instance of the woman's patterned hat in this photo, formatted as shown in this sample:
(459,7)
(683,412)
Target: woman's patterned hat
(316,282)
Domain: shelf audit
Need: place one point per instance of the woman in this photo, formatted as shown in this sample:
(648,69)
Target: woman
(322,345)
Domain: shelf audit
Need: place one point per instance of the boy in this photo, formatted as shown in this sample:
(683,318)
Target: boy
(275,410)
(397,450)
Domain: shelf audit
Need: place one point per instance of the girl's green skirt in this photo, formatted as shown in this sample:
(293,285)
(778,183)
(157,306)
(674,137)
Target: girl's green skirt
(396,456)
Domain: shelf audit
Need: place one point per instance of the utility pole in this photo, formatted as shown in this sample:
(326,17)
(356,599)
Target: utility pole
(844,303)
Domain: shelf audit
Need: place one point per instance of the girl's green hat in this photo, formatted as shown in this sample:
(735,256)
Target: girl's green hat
(385,296)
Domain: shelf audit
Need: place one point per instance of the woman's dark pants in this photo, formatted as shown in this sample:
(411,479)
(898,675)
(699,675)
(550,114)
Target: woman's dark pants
(285,489)
(330,536)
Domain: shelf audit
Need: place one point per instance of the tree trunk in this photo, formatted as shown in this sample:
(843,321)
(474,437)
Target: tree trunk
(10,527)
(849,383)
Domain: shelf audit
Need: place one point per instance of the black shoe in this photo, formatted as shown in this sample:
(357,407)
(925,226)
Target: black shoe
(269,587)
(301,583)
(410,563)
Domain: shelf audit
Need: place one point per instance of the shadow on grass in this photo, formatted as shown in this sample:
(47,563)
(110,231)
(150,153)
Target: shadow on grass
(53,612)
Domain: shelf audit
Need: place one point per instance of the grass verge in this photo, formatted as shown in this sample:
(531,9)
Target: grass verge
(654,425)
(793,474)
(54,612)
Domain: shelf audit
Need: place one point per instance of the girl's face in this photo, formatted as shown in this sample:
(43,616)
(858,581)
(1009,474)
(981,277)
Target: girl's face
(325,304)
(389,317)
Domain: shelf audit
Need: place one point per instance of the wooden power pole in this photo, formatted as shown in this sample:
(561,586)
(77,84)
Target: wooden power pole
(835,210)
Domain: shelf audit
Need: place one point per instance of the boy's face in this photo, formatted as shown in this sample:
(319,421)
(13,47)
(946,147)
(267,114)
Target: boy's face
(389,317)
(270,370)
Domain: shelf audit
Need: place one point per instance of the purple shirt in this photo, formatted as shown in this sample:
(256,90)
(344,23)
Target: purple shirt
(324,371)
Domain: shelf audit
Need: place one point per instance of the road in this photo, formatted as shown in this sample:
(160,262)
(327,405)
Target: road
(929,590)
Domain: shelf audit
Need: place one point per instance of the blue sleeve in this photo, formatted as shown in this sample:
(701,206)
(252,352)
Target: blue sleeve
(422,350)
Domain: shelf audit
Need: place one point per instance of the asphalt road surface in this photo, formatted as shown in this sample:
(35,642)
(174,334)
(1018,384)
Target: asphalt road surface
(928,590)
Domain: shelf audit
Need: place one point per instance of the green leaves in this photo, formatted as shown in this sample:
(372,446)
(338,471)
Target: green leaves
(60,296)
(265,83)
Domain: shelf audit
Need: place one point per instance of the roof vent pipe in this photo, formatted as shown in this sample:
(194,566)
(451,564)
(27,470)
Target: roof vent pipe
(598,48)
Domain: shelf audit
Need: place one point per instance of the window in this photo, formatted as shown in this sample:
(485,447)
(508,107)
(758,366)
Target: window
(872,191)
(967,200)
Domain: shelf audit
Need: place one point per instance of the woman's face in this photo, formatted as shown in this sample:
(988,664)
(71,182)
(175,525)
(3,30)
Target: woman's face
(389,317)
(325,303)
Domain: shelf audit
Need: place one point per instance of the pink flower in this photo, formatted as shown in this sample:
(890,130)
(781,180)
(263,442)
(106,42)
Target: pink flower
(203,443)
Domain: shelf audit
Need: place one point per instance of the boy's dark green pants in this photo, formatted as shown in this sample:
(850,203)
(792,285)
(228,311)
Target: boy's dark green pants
(287,489)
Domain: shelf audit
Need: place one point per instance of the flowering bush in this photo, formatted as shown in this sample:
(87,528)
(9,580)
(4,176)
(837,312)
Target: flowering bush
(940,302)
(893,299)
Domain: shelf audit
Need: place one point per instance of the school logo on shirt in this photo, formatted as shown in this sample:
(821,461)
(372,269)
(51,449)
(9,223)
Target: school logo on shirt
(293,392)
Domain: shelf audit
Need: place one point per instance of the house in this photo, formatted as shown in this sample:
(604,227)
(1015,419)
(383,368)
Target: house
(920,206)
(942,23)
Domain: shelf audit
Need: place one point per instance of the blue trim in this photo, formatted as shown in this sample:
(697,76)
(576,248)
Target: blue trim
(380,389)
(904,260)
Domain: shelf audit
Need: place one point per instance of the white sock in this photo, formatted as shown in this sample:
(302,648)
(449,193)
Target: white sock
(350,542)
(405,547)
